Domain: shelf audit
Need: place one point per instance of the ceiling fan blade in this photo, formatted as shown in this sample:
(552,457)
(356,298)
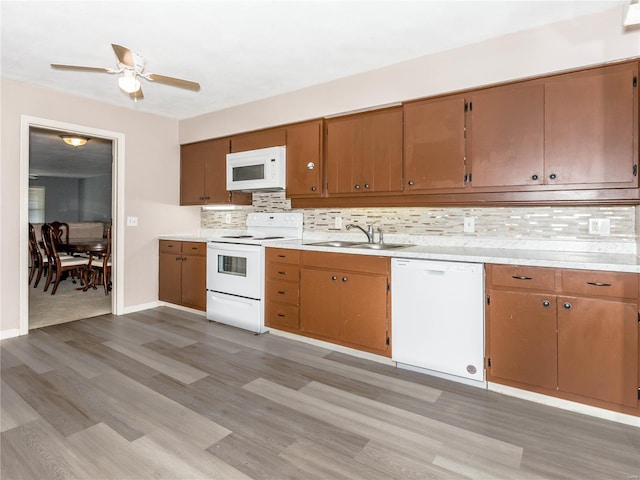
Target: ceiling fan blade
(176,82)
(138,95)
(124,55)
(81,68)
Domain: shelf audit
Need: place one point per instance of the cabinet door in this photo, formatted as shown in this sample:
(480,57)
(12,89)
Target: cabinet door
(194,275)
(319,302)
(522,337)
(304,147)
(590,127)
(434,144)
(598,349)
(344,149)
(170,278)
(192,178)
(505,136)
(271,137)
(364,152)
(363,310)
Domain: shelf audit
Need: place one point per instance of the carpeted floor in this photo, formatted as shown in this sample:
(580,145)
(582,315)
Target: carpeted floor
(66,305)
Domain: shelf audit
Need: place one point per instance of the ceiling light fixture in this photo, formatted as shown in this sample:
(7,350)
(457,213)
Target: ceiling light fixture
(74,140)
(128,82)
(632,13)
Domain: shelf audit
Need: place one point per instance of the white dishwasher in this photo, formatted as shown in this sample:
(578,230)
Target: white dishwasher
(437,314)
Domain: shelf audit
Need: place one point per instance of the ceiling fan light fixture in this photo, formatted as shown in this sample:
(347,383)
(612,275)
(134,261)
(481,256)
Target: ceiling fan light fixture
(129,83)
(74,141)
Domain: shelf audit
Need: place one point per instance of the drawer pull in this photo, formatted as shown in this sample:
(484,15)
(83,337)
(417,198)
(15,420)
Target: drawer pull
(521,277)
(282,273)
(599,284)
(282,293)
(281,315)
(282,256)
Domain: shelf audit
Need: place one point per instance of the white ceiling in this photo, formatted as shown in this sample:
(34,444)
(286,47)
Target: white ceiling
(240,51)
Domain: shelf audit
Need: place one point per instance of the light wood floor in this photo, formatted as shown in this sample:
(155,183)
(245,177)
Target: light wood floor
(165,394)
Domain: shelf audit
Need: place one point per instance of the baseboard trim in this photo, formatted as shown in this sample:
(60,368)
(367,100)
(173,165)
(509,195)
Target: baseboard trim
(140,307)
(332,346)
(180,307)
(14,332)
(565,404)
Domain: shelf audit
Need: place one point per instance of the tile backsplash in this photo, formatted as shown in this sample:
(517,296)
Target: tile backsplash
(558,224)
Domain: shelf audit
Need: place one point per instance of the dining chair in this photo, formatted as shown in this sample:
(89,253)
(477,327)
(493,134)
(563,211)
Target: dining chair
(76,265)
(39,262)
(101,270)
(61,232)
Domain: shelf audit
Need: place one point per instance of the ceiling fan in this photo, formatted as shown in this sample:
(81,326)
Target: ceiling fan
(131,65)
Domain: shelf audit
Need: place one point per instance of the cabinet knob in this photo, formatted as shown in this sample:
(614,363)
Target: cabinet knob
(344,279)
(313,189)
(567,305)
(357,187)
(552,176)
(534,177)
(546,303)
(311,166)
(410,183)
(334,278)
(366,185)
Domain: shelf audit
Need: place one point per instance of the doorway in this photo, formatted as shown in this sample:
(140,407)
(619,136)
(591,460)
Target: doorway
(70,184)
(115,142)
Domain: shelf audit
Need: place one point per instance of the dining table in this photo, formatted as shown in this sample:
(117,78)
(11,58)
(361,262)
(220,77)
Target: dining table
(96,247)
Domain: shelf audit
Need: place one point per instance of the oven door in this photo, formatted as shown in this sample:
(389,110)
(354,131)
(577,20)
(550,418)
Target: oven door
(235,269)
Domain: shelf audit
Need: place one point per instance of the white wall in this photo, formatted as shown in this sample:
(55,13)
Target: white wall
(592,40)
(152,187)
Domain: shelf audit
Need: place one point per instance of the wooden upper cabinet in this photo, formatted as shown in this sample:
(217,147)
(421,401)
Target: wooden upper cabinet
(434,144)
(591,129)
(271,137)
(304,159)
(505,136)
(364,152)
(203,181)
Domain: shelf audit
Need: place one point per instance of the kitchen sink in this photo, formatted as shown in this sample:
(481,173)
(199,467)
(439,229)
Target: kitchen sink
(380,246)
(335,243)
(369,246)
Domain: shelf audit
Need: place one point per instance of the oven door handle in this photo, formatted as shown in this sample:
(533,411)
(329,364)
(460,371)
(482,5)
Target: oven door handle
(237,301)
(232,247)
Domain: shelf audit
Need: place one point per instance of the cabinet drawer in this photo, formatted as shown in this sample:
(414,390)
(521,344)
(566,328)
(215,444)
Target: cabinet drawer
(516,276)
(345,262)
(194,248)
(279,315)
(283,272)
(282,292)
(170,246)
(597,283)
(282,255)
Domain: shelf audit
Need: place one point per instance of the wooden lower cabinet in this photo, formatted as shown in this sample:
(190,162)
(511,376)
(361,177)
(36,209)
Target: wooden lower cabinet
(182,273)
(344,299)
(572,334)
(282,285)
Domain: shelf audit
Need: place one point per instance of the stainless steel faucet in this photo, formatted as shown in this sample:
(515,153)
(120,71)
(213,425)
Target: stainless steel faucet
(368,232)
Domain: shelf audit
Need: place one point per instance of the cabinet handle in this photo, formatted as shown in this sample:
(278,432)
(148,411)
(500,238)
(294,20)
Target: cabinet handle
(282,293)
(410,183)
(281,315)
(534,177)
(281,256)
(366,185)
(357,187)
(552,176)
(521,277)
(282,273)
(344,279)
(311,166)
(334,278)
(567,305)
(599,284)
(313,189)
(546,303)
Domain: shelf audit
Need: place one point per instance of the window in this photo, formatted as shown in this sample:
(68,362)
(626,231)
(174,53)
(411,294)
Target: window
(36,204)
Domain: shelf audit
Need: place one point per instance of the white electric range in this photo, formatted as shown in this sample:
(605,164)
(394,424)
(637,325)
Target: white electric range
(235,269)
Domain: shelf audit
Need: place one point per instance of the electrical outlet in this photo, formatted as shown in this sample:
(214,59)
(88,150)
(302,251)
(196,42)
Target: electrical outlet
(469,225)
(337,223)
(132,221)
(600,226)
(227,218)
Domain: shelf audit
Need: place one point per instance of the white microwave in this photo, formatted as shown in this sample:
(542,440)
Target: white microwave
(262,170)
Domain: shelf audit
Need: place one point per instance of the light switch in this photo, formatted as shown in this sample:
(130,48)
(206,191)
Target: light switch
(132,221)
(469,225)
